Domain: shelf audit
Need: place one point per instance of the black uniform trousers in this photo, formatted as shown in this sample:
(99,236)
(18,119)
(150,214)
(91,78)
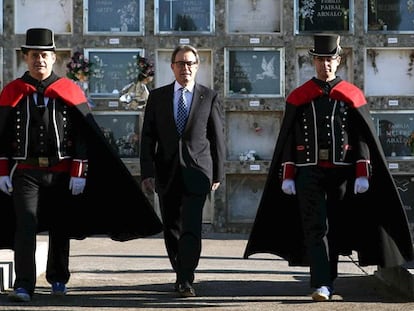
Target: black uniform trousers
(182,212)
(320,192)
(31,187)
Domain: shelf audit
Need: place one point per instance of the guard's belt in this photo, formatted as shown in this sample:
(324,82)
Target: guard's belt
(40,161)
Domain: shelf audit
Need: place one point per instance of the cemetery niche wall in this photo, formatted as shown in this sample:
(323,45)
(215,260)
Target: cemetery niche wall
(253,53)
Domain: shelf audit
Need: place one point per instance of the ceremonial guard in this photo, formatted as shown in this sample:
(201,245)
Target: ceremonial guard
(58,173)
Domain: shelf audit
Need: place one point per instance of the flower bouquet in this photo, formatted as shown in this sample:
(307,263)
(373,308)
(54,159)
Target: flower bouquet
(139,69)
(79,68)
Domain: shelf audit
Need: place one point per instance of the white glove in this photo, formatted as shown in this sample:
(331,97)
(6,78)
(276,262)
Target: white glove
(361,185)
(288,186)
(6,185)
(77,184)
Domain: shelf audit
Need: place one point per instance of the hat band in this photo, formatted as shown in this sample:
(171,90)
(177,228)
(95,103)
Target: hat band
(38,47)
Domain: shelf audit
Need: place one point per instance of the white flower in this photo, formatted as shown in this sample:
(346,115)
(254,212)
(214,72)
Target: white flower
(98,71)
(410,6)
(307,11)
(132,70)
(128,13)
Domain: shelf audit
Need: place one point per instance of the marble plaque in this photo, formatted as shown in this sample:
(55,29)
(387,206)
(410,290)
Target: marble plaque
(184,16)
(253,16)
(243,196)
(395,130)
(112,70)
(389,72)
(53,14)
(324,15)
(390,16)
(122,131)
(124,17)
(252,131)
(254,72)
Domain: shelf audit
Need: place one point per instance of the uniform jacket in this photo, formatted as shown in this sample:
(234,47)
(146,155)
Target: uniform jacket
(373,223)
(325,125)
(200,151)
(112,204)
(31,134)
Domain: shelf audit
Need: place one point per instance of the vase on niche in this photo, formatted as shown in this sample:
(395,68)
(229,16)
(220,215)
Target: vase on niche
(124,27)
(84,85)
(82,81)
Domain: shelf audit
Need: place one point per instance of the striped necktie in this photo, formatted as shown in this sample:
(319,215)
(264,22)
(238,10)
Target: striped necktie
(181,111)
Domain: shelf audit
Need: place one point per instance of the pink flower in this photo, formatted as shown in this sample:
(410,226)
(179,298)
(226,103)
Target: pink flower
(79,68)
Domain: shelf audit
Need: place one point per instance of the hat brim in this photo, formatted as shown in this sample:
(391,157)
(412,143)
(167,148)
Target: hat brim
(313,53)
(38,47)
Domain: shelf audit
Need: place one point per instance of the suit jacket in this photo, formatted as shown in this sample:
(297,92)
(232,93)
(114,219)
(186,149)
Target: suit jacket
(201,149)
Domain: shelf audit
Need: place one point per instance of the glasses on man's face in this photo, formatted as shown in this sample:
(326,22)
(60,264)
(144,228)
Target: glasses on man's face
(182,64)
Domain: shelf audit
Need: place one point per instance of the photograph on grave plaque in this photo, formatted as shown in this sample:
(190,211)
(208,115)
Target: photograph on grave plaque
(61,20)
(383,65)
(253,16)
(395,129)
(122,17)
(405,186)
(189,16)
(62,58)
(164,74)
(391,16)
(324,15)
(254,72)
(122,131)
(306,69)
(113,69)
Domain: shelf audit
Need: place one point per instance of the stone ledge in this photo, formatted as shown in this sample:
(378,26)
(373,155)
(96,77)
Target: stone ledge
(7,275)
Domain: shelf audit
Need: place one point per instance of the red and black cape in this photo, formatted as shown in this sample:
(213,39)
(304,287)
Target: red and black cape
(374,224)
(112,204)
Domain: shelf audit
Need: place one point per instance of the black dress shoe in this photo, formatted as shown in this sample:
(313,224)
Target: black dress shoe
(186,290)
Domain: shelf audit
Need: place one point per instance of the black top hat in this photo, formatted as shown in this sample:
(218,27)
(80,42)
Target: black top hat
(326,45)
(39,39)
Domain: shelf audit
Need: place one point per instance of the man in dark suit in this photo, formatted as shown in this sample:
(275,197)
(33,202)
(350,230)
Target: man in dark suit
(182,155)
